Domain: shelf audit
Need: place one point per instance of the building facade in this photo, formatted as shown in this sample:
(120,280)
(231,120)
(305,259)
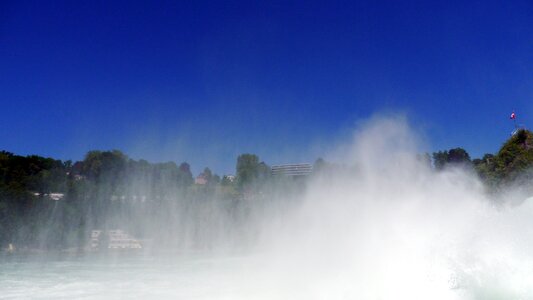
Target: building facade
(302,169)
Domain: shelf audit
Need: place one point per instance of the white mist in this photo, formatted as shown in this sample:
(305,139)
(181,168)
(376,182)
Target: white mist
(387,227)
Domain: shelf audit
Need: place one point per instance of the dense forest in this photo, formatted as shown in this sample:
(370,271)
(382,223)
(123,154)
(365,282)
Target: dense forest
(52,204)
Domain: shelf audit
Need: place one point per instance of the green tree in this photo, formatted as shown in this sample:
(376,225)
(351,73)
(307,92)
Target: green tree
(185,175)
(246,169)
(216,179)
(208,175)
(514,159)
(440,159)
(458,156)
(108,166)
(250,171)
(455,156)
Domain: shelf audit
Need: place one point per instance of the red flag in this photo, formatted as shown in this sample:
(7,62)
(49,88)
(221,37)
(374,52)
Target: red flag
(513,116)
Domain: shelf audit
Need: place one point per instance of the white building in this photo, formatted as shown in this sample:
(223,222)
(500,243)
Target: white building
(113,239)
(302,169)
(118,239)
(229,177)
(200,179)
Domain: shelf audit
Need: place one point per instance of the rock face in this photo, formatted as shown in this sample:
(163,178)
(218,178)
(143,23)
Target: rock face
(113,239)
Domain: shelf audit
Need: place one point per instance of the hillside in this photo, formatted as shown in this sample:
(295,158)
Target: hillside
(512,162)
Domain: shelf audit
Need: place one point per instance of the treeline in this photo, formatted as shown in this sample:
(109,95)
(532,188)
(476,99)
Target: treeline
(512,164)
(47,203)
(52,204)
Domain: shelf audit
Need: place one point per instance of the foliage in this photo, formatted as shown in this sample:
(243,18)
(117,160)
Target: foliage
(513,161)
(105,190)
(109,190)
(250,171)
(452,157)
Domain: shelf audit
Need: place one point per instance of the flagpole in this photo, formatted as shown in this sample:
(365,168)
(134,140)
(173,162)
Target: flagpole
(513,117)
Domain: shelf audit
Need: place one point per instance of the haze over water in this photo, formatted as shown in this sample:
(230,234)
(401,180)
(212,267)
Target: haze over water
(389,227)
(122,118)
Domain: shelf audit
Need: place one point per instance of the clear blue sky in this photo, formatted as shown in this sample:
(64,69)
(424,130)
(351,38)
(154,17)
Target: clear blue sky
(204,81)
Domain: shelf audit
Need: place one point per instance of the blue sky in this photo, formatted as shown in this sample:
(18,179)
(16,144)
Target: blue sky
(204,81)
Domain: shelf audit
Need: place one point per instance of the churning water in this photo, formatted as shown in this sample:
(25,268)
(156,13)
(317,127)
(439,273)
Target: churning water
(391,228)
(196,277)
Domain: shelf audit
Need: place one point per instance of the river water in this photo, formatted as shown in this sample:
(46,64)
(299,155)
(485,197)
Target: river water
(226,277)
(129,277)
